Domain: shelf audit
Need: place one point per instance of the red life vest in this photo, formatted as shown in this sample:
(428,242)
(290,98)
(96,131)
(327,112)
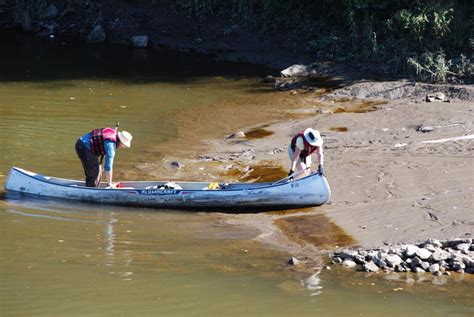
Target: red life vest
(98,136)
(308,148)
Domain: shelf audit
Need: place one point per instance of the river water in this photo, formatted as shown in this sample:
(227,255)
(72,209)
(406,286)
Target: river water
(70,259)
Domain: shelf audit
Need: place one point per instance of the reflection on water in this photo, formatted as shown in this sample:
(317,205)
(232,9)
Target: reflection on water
(109,261)
(315,229)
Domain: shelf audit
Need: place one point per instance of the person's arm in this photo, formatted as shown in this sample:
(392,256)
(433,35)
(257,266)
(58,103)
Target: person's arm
(320,155)
(109,147)
(296,158)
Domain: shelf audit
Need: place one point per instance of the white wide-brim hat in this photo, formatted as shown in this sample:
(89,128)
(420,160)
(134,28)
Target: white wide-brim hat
(313,137)
(125,138)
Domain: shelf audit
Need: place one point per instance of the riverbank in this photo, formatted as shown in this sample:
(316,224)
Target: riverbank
(400,169)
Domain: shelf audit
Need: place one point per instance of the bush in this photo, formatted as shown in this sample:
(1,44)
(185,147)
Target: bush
(425,37)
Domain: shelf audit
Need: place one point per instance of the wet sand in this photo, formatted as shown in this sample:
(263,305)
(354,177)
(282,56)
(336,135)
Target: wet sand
(388,186)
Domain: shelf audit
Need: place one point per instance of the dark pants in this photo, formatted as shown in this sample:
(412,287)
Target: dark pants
(90,164)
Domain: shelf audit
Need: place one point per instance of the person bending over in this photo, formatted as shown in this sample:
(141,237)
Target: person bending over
(302,145)
(100,143)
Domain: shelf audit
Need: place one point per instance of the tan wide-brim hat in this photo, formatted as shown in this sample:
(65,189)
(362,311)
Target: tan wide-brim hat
(313,137)
(125,138)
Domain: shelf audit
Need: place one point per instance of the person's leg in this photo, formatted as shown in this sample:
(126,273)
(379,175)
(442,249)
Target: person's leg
(90,164)
(307,162)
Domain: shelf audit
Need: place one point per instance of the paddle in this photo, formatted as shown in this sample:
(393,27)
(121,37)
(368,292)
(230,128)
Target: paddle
(99,177)
(289,177)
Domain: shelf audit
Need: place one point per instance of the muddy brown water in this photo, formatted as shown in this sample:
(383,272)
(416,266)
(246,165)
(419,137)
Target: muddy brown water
(339,129)
(257,133)
(69,259)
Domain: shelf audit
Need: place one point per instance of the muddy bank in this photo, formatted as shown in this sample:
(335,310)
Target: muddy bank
(400,170)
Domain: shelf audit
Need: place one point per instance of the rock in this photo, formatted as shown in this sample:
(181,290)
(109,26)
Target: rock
(269,79)
(393,260)
(434,242)
(347,254)
(423,254)
(411,250)
(323,111)
(437,96)
(455,242)
(235,135)
(349,263)
(434,268)
(139,41)
(46,28)
(400,268)
(175,164)
(295,70)
(418,270)
(424,129)
(425,265)
(371,255)
(460,257)
(440,255)
(370,267)
(97,35)
(405,265)
(293,261)
(430,247)
(416,262)
(456,266)
(463,247)
(359,259)
(50,12)
(380,263)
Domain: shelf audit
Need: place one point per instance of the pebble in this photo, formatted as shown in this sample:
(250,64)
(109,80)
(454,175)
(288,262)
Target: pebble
(349,263)
(293,261)
(175,164)
(237,135)
(425,129)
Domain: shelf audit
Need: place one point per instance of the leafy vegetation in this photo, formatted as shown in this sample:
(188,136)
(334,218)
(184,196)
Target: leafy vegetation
(429,39)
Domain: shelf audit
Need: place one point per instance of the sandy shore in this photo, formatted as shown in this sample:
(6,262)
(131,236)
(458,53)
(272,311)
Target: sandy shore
(391,183)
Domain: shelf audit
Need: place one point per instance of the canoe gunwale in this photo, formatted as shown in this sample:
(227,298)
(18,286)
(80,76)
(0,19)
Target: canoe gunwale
(311,190)
(269,185)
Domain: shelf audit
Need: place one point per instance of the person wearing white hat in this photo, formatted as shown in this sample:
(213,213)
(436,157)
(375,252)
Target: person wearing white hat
(302,145)
(100,143)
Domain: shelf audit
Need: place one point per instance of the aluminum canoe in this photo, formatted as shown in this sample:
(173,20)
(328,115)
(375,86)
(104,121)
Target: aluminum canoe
(312,190)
